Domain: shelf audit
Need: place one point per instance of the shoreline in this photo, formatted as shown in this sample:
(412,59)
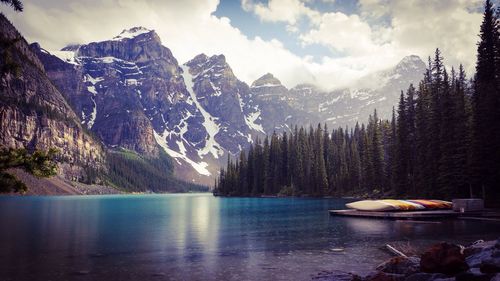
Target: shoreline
(479,261)
(59,186)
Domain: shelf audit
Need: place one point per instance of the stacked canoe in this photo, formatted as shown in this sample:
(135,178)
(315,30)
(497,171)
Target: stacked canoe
(399,205)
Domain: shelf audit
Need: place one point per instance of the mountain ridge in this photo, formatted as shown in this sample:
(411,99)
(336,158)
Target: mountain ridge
(132,92)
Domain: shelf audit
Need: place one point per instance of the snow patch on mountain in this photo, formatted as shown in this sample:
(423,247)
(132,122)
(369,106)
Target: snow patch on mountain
(131,33)
(92,90)
(93,115)
(200,167)
(66,56)
(92,80)
(211,145)
(250,121)
(251,117)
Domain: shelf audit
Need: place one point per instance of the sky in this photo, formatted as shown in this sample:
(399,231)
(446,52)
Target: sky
(330,43)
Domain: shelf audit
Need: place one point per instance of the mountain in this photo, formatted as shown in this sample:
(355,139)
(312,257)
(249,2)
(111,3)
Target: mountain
(132,94)
(92,110)
(307,104)
(345,107)
(277,109)
(35,115)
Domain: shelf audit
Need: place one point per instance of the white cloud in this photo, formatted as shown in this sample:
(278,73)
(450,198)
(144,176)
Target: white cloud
(189,28)
(384,31)
(421,26)
(347,34)
(289,11)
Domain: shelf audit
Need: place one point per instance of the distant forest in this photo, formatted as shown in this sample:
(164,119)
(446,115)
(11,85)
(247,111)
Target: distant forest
(443,141)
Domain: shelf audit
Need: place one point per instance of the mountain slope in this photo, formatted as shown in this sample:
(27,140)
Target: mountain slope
(131,93)
(34,114)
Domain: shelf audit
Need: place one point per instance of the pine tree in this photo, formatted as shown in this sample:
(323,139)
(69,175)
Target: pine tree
(486,144)
(265,165)
(402,148)
(422,137)
(321,177)
(393,154)
(462,116)
(285,163)
(411,139)
(446,176)
(377,154)
(242,175)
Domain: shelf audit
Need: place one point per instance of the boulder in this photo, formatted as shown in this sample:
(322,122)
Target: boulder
(400,265)
(491,265)
(475,260)
(443,258)
(422,276)
(473,274)
(478,247)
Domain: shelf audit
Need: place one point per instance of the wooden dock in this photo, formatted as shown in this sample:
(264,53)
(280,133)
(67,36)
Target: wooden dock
(412,215)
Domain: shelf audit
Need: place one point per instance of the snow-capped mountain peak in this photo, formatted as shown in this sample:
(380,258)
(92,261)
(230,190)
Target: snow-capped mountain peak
(131,33)
(214,67)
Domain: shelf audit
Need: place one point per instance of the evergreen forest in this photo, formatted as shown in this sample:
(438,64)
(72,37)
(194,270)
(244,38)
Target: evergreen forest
(443,141)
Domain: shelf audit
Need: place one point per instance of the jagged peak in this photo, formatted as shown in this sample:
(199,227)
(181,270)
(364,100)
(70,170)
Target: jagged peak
(132,33)
(218,58)
(410,60)
(200,58)
(204,61)
(266,80)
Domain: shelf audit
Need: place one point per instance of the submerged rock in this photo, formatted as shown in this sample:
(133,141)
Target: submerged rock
(443,258)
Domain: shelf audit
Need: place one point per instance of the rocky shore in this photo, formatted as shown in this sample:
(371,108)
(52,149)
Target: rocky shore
(479,261)
(58,185)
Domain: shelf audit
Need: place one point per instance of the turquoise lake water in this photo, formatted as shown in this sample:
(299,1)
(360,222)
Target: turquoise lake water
(200,237)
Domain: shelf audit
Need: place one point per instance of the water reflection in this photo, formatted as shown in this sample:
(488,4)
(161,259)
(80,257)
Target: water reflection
(197,237)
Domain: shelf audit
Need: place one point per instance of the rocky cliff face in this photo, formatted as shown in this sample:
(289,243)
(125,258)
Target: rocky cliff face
(225,99)
(278,107)
(33,113)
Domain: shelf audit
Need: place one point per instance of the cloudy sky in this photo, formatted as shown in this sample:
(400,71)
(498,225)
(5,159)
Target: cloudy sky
(327,42)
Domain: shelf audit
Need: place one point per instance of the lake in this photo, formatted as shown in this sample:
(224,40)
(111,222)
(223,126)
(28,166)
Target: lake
(200,237)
